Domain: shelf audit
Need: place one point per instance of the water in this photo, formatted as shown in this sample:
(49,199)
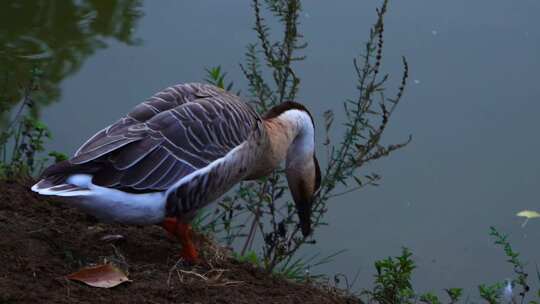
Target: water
(471,106)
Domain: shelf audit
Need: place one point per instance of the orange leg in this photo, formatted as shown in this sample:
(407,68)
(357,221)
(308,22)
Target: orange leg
(183,232)
(169,224)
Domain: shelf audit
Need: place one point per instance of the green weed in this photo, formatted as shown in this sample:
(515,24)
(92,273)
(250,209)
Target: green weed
(260,209)
(22,143)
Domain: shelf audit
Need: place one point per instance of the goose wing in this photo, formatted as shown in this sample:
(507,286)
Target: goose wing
(114,135)
(176,132)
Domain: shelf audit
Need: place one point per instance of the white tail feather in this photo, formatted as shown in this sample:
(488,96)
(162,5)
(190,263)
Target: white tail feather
(109,205)
(76,185)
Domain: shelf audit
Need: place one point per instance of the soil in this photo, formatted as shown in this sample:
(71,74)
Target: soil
(43,240)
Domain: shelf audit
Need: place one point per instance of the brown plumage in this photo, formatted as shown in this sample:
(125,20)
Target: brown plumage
(180,150)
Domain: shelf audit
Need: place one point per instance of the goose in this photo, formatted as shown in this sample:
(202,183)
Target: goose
(182,149)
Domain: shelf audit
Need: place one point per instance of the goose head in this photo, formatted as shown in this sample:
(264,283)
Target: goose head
(301,165)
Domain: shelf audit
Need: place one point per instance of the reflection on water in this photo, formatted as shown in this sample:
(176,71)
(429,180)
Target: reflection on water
(57,36)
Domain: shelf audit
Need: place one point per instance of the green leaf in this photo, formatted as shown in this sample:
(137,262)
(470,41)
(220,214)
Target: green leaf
(430,298)
(58,156)
(529,214)
(454,293)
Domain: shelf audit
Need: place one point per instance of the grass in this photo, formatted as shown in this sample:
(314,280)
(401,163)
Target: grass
(393,282)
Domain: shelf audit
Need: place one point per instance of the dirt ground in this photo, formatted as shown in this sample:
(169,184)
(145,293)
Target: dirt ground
(41,241)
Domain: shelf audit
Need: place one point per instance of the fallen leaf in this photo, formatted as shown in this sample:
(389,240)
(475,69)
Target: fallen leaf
(528,214)
(102,276)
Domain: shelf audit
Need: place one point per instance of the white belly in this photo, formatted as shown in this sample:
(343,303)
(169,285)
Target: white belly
(111,205)
(145,210)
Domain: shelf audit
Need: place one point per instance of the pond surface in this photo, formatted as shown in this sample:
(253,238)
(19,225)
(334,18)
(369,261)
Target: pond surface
(472,106)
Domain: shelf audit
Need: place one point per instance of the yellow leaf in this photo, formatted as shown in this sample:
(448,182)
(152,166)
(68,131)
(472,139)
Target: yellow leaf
(103,276)
(529,214)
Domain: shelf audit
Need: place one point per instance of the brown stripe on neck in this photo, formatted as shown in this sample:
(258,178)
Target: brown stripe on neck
(286,106)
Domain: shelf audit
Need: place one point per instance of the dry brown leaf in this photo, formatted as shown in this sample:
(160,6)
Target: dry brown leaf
(103,276)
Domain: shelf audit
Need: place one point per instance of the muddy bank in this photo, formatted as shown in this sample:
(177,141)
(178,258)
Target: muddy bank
(42,240)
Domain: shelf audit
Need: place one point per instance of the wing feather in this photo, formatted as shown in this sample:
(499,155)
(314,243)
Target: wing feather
(105,147)
(134,153)
(159,171)
(177,131)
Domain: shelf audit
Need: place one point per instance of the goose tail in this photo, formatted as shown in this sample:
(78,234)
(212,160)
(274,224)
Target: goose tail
(75,185)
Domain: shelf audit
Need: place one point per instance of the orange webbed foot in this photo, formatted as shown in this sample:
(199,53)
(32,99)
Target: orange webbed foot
(184,232)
